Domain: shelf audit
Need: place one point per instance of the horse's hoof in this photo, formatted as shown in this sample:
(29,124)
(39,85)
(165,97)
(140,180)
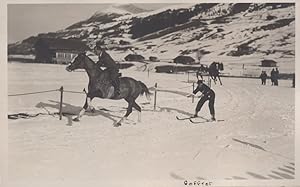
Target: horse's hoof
(76,119)
(117,124)
(93,110)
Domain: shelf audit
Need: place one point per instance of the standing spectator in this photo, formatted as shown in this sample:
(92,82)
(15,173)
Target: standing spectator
(263,76)
(276,77)
(272,76)
(201,70)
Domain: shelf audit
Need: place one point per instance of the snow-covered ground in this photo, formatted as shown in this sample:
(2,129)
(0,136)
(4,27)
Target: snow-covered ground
(254,139)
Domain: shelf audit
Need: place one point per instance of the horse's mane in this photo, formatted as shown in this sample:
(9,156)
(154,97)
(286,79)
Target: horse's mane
(92,61)
(88,58)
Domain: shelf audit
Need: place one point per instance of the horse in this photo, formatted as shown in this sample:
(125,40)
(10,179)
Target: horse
(101,86)
(212,70)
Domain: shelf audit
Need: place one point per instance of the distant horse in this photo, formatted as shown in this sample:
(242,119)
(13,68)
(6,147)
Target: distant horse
(100,86)
(213,70)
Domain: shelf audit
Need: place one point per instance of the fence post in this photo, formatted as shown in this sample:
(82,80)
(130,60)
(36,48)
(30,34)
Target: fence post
(155,94)
(192,91)
(61,102)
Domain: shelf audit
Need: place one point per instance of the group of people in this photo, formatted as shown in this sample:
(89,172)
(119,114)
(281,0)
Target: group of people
(105,60)
(274,77)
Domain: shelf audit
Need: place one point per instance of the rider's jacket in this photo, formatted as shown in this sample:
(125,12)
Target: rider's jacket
(105,60)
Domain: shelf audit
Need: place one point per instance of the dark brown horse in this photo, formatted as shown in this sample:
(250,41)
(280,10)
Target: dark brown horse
(101,86)
(213,70)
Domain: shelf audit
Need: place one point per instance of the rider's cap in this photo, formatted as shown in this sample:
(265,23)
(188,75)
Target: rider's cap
(98,47)
(199,81)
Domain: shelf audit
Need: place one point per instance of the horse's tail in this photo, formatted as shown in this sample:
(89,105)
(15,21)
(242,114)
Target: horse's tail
(145,90)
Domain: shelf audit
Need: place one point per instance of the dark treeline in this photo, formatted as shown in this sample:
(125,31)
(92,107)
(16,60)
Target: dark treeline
(169,18)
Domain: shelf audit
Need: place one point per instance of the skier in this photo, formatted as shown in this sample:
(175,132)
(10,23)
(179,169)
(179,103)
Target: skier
(105,60)
(207,94)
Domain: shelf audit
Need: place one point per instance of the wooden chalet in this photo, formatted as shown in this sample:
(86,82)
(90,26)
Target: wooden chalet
(58,51)
(268,63)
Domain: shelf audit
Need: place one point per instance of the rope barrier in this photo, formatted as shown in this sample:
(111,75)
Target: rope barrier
(68,91)
(31,93)
(60,113)
(184,87)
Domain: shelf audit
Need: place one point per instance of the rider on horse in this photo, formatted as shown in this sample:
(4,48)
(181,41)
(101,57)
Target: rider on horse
(105,60)
(201,70)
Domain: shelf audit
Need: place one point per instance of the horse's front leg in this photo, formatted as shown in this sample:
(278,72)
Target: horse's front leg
(90,107)
(220,80)
(214,79)
(85,106)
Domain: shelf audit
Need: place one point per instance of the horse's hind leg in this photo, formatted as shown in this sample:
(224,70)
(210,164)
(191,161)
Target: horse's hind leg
(128,112)
(129,109)
(138,108)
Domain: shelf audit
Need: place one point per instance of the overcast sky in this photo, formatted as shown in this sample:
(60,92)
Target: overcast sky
(26,20)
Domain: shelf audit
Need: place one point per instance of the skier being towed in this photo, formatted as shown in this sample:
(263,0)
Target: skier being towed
(207,94)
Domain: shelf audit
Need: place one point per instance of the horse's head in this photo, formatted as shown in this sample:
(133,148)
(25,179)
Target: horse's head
(77,63)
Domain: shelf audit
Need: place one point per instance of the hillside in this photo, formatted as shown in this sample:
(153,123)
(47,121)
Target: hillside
(232,32)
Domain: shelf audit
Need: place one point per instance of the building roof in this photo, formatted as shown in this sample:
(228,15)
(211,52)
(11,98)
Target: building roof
(63,44)
(268,61)
(134,57)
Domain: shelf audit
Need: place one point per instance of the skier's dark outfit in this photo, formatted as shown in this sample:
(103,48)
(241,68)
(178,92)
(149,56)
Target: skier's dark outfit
(208,94)
(105,60)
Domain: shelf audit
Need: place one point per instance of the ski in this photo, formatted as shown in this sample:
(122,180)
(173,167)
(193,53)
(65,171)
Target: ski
(189,118)
(185,118)
(205,121)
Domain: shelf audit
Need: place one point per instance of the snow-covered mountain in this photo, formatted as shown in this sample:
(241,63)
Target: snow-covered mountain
(224,31)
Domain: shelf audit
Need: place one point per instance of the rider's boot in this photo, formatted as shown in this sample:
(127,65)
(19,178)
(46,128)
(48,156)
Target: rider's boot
(117,87)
